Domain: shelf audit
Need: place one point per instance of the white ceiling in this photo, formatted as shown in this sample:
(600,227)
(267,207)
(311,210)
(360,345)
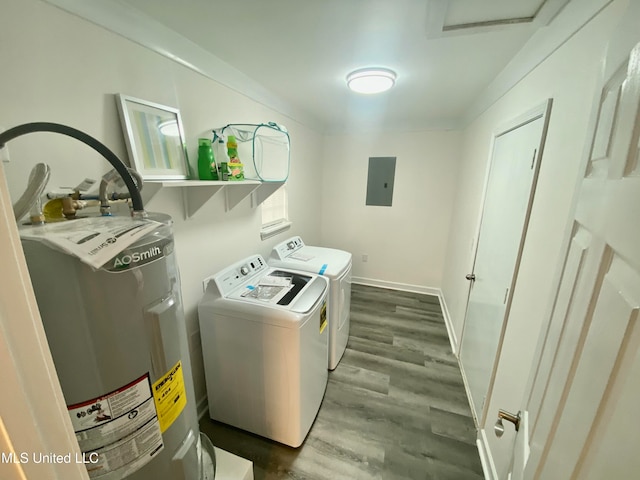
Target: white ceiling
(302,50)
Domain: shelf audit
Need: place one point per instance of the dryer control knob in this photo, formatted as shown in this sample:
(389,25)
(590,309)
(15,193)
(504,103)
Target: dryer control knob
(244,270)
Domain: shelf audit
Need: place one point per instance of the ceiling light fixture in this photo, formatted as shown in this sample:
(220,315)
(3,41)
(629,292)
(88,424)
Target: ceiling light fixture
(169,128)
(371,80)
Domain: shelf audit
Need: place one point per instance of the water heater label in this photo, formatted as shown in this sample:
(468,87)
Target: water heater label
(170,396)
(94,240)
(139,256)
(323,317)
(118,432)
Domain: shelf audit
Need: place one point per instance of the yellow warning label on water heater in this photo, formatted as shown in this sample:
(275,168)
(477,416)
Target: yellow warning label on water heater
(170,396)
(323,317)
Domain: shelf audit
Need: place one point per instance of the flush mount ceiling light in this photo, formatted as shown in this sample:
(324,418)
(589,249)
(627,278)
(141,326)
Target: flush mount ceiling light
(169,128)
(371,80)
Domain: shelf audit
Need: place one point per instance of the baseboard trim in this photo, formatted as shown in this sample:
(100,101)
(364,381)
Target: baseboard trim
(447,321)
(405,287)
(488,467)
(468,392)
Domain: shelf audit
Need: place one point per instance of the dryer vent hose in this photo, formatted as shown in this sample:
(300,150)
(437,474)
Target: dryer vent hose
(121,168)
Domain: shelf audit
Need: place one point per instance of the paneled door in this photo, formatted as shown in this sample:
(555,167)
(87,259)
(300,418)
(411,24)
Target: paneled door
(583,398)
(515,161)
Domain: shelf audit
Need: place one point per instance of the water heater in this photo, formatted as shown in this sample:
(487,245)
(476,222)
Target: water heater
(118,340)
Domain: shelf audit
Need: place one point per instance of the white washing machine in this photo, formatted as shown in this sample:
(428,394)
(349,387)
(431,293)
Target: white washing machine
(265,345)
(336,266)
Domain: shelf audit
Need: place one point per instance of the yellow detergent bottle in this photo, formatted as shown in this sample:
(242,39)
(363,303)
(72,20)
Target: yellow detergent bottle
(236,171)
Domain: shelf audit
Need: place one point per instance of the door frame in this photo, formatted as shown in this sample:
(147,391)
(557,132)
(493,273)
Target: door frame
(542,110)
(28,372)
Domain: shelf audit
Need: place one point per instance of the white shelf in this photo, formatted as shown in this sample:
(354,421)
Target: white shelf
(197,192)
(240,191)
(264,191)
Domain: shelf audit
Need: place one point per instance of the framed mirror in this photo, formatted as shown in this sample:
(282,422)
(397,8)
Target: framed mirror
(155,139)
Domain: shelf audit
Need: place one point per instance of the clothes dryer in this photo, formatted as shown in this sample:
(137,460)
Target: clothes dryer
(265,345)
(336,266)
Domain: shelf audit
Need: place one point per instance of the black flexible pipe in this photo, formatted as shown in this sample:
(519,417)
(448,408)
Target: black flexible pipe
(111,157)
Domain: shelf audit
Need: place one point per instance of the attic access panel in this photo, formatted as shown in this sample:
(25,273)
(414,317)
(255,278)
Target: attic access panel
(467,17)
(466,12)
(380,180)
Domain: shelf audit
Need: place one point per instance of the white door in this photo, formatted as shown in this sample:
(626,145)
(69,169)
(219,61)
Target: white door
(33,415)
(508,196)
(584,395)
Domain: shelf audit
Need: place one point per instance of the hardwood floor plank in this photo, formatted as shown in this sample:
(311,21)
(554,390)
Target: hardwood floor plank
(366,406)
(403,368)
(319,459)
(449,471)
(394,409)
(422,309)
(439,396)
(400,465)
(362,378)
(397,325)
(384,351)
(370,332)
(433,349)
(349,439)
(452,452)
(453,425)
(393,295)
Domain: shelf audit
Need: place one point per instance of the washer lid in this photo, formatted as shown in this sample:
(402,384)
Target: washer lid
(320,260)
(295,291)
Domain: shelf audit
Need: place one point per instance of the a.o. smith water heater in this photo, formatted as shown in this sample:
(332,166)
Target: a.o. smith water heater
(118,340)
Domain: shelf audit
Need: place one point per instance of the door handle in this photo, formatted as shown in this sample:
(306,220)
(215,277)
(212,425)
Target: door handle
(470,276)
(509,417)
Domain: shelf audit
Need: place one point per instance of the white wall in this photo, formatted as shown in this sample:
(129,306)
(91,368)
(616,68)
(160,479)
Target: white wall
(569,76)
(406,243)
(59,68)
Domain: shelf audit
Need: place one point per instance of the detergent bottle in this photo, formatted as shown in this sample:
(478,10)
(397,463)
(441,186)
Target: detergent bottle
(236,171)
(207,169)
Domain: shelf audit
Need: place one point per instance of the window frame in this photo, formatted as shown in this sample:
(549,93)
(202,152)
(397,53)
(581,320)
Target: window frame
(275,226)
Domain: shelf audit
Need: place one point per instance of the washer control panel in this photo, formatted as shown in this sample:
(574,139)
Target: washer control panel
(237,274)
(286,248)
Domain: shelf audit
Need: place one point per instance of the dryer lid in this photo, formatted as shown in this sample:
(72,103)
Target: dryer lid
(319,260)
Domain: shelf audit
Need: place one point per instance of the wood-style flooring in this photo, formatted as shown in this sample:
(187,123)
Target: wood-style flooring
(394,409)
